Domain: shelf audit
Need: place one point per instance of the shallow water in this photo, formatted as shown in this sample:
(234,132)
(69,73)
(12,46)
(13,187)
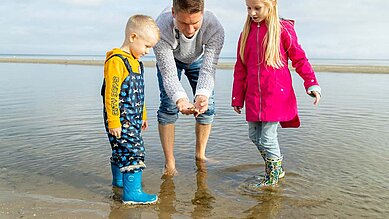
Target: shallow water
(54,155)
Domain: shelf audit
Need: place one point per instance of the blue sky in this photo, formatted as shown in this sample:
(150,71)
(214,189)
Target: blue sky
(326,28)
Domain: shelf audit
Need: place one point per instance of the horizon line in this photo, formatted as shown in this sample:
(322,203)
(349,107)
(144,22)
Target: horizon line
(336,68)
(149,56)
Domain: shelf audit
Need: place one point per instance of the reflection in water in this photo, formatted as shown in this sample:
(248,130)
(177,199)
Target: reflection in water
(117,194)
(167,198)
(203,199)
(268,206)
(118,210)
(125,212)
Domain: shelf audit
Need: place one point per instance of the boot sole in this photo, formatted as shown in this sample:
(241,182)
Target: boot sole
(139,203)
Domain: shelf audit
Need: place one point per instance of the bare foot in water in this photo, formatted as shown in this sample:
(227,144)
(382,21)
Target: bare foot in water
(207,160)
(169,171)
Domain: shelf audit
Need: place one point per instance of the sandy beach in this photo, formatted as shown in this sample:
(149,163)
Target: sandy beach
(221,65)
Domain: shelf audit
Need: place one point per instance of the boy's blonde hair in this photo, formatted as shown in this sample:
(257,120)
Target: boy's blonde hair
(272,39)
(142,25)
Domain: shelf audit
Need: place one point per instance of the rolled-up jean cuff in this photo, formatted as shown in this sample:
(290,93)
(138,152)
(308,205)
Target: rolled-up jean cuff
(166,118)
(204,119)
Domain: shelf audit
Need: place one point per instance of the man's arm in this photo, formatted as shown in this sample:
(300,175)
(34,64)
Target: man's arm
(213,45)
(167,66)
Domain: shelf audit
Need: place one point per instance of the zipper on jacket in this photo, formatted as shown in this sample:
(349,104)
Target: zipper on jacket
(259,74)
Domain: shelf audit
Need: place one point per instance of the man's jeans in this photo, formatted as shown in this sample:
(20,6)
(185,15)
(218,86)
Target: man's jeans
(264,136)
(168,112)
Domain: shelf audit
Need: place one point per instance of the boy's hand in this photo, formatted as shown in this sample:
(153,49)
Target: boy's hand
(238,109)
(201,103)
(317,97)
(145,124)
(116,132)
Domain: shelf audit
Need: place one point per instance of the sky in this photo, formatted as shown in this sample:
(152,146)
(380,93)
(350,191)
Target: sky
(327,29)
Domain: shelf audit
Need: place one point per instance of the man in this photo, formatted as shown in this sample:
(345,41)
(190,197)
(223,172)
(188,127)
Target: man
(191,41)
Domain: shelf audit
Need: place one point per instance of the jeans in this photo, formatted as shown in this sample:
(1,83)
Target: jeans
(264,136)
(168,112)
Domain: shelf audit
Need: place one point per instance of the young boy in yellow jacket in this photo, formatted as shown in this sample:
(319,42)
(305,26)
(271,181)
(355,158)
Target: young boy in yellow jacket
(124,109)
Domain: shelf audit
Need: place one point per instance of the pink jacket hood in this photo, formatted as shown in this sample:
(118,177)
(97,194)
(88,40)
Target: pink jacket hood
(268,92)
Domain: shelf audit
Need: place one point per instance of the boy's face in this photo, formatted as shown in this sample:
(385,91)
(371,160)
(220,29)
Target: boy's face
(188,23)
(140,45)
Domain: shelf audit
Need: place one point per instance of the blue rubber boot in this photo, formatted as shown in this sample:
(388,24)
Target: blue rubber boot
(132,190)
(117,176)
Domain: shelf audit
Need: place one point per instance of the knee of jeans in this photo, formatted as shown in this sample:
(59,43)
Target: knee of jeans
(269,142)
(204,119)
(165,118)
(211,106)
(167,105)
(254,138)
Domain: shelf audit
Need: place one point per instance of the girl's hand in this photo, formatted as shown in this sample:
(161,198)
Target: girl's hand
(238,109)
(317,97)
(145,124)
(116,132)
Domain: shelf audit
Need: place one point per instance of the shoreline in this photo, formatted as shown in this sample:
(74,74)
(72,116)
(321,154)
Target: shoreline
(336,68)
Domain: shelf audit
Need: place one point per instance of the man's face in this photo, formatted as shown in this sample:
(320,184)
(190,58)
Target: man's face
(188,23)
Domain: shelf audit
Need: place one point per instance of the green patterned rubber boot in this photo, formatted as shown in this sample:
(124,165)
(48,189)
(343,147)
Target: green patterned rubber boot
(273,172)
(282,171)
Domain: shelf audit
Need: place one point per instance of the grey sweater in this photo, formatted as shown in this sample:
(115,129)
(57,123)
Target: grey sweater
(207,42)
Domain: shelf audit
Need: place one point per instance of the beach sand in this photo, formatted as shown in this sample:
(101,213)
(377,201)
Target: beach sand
(221,65)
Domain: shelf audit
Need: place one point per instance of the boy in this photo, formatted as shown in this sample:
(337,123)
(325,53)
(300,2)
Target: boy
(124,109)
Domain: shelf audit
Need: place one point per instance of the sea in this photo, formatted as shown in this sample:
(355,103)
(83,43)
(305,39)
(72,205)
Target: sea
(54,153)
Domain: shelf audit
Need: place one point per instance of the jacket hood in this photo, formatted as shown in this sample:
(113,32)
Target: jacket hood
(118,51)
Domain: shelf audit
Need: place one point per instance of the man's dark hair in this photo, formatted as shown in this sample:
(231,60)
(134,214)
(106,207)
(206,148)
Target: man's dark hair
(189,6)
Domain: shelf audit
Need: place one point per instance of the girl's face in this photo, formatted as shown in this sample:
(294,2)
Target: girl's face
(257,10)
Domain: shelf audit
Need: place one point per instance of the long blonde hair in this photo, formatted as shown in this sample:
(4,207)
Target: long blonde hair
(272,39)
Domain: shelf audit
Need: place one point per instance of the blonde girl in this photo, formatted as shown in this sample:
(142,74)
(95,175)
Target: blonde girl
(263,82)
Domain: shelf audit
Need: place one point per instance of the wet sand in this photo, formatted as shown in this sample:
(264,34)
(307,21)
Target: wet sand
(221,65)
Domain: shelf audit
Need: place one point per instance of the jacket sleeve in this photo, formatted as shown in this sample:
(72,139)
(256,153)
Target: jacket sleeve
(239,86)
(144,113)
(113,75)
(297,55)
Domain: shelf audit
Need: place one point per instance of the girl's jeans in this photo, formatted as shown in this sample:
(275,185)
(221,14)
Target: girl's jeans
(168,112)
(264,136)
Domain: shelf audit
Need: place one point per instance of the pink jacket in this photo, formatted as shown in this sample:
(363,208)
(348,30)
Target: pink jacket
(268,92)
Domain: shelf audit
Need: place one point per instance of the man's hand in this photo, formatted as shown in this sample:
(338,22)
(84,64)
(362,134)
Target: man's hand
(317,97)
(201,103)
(116,132)
(185,107)
(145,125)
